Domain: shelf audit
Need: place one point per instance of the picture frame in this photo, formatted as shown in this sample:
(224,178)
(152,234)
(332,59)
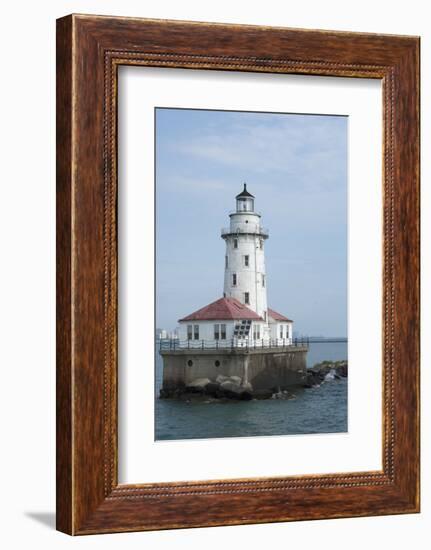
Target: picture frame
(89,51)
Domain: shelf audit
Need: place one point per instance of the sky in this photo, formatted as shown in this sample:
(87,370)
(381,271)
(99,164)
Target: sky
(296,167)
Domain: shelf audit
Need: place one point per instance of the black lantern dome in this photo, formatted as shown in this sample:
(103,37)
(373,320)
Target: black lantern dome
(244,193)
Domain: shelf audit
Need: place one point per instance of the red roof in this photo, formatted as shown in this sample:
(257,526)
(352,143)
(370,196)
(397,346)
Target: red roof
(222,310)
(277,316)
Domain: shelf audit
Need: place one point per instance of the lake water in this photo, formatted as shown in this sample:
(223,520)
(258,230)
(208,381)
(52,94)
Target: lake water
(310,411)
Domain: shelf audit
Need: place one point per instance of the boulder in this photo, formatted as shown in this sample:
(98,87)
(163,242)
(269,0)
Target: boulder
(221,378)
(313,378)
(235,379)
(325,371)
(230,389)
(198,384)
(262,394)
(318,373)
(212,389)
(277,395)
(247,387)
(330,375)
(342,370)
(246,395)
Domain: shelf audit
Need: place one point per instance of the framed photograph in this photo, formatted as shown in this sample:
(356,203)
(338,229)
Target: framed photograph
(237,274)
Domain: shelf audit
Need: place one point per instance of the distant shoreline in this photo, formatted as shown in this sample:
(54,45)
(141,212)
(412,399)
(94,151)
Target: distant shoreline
(322,339)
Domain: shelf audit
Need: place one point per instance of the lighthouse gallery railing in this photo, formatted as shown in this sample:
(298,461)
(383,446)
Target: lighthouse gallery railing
(252,229)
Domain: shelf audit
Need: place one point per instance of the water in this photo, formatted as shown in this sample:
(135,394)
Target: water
(315,410)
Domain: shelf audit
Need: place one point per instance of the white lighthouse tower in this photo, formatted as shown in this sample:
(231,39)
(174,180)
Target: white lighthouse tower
(245,275)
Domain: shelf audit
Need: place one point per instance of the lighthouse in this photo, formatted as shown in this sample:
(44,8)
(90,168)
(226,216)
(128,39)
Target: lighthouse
(245,273)
(242,317)
(237,334)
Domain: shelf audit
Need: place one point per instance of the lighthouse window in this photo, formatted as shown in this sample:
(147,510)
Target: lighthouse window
(233,279)
(263,280)
(189,332)
(256,332)
(261,243)
(246,297)
(220,331)
(246,261)
(196,332)
(226,262)
(235,243)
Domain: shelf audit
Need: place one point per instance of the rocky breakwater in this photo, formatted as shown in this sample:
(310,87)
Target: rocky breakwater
(325,372)
(233,387)
(223,387)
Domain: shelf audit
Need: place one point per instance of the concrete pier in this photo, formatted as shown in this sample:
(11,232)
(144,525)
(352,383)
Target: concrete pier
(265,369)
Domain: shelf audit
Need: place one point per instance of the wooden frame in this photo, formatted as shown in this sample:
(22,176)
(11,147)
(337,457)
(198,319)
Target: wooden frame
(89,51)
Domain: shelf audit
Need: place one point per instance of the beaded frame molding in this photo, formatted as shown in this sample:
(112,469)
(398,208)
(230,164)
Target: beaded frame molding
(89,51)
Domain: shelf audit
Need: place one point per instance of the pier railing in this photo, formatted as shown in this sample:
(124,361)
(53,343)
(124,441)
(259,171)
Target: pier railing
(173,344)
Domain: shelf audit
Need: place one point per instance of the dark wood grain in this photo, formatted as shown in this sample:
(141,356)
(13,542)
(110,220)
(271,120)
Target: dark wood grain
(90,49)
(64,288)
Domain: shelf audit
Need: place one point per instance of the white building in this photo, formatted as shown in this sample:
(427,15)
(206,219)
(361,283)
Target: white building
(241,318)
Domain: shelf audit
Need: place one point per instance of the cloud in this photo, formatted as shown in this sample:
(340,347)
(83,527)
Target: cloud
(194,184)
(293,147)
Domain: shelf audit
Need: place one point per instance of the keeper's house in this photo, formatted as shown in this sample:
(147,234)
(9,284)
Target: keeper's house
(228,322)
